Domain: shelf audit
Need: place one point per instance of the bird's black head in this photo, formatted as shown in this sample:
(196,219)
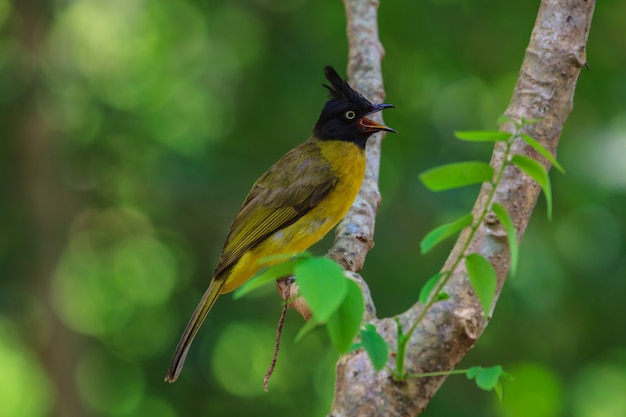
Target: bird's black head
(344,114)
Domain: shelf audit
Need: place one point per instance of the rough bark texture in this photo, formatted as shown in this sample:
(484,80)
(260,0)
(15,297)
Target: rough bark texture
(544,91)
(354,236)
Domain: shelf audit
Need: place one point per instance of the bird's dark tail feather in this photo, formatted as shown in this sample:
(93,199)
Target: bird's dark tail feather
(207,301)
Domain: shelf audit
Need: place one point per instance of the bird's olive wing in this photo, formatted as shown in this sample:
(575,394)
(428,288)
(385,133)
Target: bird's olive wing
(286,192)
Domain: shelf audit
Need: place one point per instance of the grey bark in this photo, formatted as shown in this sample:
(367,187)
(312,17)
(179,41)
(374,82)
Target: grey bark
(544,91)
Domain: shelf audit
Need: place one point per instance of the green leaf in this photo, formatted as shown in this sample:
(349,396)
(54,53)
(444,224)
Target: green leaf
(442,296)
(345,323)
(506,376)
(441,233)
(306,328)
(483,135)
(355,346)
(268,275)
(375,346)
(473,371)
(483,279)
(460,174)
(498,389)
(488,378)
(507,223)
(536,171)
(505,119)
(528,122)
(322,284)
(427,288)
(543,151)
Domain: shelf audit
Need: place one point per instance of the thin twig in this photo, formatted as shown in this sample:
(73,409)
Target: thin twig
(279,332)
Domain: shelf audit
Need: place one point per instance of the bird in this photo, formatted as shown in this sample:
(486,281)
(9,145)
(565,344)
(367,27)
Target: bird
(296,202)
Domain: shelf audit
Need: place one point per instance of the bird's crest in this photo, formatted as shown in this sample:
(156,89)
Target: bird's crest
(340,90)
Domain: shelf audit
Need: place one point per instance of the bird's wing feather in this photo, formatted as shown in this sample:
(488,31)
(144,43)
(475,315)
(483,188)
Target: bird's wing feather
(285,193)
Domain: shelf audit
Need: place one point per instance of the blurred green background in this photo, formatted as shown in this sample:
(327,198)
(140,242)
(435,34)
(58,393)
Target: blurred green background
(131,130)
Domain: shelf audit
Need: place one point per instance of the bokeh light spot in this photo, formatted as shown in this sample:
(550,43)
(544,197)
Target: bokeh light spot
(589,239)
(281,6)
(599,388)
(108,385)
(110,268)
(540,269)
(241,357)
(153,407)
(147,333)
(207,117)
(126,53)
(112,51)
(143,270)
(247,43)
(601,160)
(534,392)
(72,112)
(83,294)
(5,10)
(455,107)
(24,387)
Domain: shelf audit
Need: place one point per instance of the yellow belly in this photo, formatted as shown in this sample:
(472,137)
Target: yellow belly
(349,164)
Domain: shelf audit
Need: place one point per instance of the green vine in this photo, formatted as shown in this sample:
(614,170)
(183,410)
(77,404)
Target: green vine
(480,271)
(399,372)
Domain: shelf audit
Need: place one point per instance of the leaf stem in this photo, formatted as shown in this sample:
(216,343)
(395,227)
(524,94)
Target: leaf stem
(399,373)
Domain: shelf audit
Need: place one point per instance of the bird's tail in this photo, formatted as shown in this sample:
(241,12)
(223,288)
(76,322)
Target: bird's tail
(207,301)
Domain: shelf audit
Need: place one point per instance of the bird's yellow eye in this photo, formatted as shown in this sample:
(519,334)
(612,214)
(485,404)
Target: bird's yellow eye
(350,115)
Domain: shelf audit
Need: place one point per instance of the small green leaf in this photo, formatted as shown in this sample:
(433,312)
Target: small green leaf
(507,223)
(322,284)
(505,119)
(460,174)
(483,135)
(355,346)
(489,377)
(498,389)
(443,232)
(536,171)
(345,323)
(528,122)
(483,279)
(306,328)
(267,275)
(543,151)
(427,288)
(442,296)
(473,371)
(506,376)
(375,346)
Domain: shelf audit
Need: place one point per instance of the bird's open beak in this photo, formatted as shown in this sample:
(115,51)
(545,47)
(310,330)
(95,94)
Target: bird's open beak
(370,125)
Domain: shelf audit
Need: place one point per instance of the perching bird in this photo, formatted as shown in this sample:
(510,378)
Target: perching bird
(296,202)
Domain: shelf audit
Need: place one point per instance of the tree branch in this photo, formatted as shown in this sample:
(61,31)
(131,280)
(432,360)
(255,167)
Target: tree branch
(354,235)
(544,91)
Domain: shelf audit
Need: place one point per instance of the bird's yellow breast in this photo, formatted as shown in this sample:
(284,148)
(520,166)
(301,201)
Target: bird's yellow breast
(348,165)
